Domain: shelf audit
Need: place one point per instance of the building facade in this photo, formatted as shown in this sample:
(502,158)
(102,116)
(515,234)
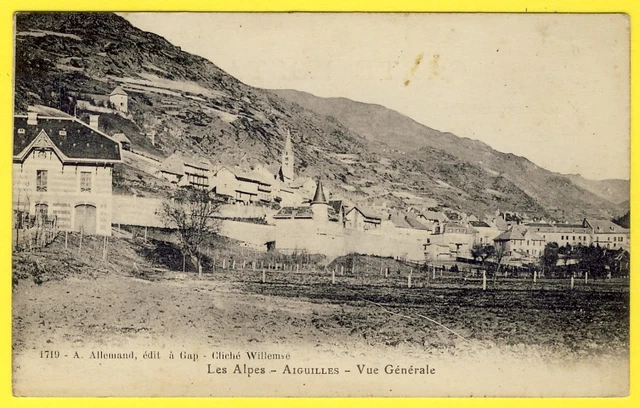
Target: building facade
(120,100)
(63,168)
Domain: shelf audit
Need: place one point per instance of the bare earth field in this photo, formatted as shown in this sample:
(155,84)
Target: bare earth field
(515,339)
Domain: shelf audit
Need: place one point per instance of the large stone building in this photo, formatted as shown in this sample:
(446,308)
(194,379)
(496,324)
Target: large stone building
(521,243)
(187,171)
(603,233)
(63,168)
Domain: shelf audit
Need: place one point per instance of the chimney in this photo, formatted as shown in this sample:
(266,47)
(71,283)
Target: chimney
(93,121)
(32,118)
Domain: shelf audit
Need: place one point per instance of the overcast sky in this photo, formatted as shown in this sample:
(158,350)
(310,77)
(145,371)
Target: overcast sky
(553,88)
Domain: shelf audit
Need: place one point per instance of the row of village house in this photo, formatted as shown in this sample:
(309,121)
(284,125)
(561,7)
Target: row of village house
(334,228)
(63,167)
(255,185)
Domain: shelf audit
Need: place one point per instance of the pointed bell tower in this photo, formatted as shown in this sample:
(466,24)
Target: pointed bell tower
(287,160)
(319,204)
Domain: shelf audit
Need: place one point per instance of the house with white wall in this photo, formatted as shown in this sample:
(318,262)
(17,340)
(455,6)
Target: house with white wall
(63,168)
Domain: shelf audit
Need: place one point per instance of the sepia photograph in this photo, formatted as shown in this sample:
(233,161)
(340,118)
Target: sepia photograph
(320,205)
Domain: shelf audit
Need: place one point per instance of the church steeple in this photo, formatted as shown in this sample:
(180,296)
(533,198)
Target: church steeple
(287,159)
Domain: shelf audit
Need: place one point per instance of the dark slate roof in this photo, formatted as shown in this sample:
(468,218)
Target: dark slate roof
(336,205)
(479,224)
(294,212)
(80,142)
(319,196)
(299,213)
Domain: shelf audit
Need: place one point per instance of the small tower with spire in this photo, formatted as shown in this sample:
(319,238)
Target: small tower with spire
(319,204)
(286,168)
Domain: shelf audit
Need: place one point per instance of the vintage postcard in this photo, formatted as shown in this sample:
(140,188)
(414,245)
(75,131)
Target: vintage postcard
(321,205)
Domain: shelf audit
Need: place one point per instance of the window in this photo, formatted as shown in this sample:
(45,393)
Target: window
(21,131)
(42,211)
(41,180)
(85,181)
(574,237)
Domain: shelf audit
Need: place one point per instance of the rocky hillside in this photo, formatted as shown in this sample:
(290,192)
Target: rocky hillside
(557,193)
(188,104)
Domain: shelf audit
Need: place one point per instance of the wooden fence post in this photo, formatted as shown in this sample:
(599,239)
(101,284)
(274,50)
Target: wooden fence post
(409,279)
(572,282)
(66,239)
(586,277)
(484,280)
(264,276)
(80,246)
(386,272)
(333,276)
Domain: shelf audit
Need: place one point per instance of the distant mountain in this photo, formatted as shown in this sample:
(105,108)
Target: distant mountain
(614,190)
(558,194)
(366,153)
(624,220)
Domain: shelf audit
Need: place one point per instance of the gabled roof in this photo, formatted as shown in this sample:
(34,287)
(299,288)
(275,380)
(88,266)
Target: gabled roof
(479,224)
(518,233)
(118,91)
(399,221)
(257,175)
(366,213)
(604,226)
(511,234)
(434,215)
(121,137)
(414,223)
(175,163)
(74,140)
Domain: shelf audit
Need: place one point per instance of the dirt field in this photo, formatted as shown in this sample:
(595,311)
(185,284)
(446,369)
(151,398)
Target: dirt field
(67,298)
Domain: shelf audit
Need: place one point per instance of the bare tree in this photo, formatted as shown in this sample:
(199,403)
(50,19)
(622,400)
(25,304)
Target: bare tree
(191,212)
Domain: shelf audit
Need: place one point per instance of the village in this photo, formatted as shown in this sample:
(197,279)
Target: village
(418,206)
(64,171)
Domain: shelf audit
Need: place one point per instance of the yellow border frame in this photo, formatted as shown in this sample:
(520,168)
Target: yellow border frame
(630,7)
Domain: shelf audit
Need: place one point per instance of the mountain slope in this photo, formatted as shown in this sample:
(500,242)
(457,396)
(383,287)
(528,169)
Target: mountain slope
(558,194)
(188,104)
(614,190)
